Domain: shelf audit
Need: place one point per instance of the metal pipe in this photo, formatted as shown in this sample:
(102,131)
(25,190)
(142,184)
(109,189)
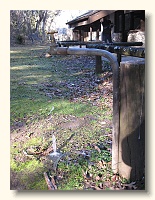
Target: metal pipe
(76,43)
(116,91)
(122,50)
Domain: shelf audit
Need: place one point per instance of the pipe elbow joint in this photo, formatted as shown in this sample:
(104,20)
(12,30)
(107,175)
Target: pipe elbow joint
(53,50)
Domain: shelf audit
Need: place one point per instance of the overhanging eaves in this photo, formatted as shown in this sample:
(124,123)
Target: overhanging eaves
(89,18)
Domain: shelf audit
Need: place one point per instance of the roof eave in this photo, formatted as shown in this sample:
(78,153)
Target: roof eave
(88,19)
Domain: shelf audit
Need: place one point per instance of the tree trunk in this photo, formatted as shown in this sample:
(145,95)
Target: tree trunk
(43,26)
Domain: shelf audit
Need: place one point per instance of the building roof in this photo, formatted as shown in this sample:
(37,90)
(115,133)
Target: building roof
(88,18)
(83,16)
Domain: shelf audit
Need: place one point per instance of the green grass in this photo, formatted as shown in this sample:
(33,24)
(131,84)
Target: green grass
(27,98)
(31,106)
(75,177)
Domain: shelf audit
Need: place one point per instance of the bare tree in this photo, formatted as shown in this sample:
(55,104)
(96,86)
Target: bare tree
(31,24)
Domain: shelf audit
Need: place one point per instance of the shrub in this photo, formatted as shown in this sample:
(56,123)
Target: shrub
(20,39)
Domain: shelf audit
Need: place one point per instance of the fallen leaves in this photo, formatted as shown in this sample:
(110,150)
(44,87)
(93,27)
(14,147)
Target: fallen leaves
(82,83)
(72,78)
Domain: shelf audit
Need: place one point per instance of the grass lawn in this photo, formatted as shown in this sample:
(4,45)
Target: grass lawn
(63,96)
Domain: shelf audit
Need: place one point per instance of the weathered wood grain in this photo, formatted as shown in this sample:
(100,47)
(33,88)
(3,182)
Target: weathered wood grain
(132,120)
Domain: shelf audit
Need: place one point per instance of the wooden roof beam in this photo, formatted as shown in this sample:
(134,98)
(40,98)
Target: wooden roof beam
(83,23)
(90,19)
(99,15)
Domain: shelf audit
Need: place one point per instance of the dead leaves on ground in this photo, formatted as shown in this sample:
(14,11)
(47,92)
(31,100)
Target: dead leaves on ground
(79,82)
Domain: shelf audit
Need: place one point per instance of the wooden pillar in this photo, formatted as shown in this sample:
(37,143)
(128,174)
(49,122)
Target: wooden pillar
(82,35)
(98,58)
(74,35)
(98,67)
(90,33)
(79,35)
(119,58)
(123,28)
(131,159)
(97,35)
(101,29)
(131,21)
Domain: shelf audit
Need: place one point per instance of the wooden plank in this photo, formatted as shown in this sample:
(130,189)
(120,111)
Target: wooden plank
(83,23)
(99,15)
(132,120)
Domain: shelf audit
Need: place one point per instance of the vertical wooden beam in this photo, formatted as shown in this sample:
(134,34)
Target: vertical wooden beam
(97,35)
(101,29)
(131,163)
(119,58)
(123,28)
(91,33)
(80,36)
(74,35)
(98,67)
(131,21)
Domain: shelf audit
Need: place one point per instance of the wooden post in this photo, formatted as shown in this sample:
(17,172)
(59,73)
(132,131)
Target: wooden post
(98,67)
(90,33)
(98,58)
(97,34)
(82,35)
(78,35)
(119,58)
(74,35)
(131,162)
(101,21)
